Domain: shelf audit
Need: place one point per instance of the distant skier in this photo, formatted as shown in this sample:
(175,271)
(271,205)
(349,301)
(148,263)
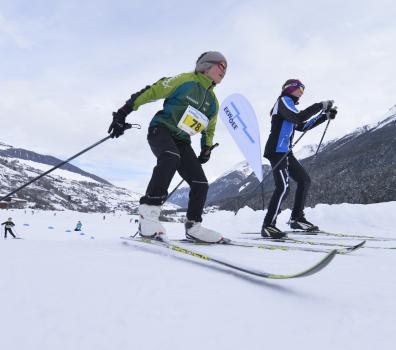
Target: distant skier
(190,107)
(285,118)
(8,225)
(78,226)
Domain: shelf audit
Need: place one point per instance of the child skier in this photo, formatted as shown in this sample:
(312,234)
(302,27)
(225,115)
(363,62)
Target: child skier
(285,118)
(190,107)
(8,225)
(78,226)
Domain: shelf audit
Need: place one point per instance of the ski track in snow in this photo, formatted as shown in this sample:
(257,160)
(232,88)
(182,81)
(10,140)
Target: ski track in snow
(62,290)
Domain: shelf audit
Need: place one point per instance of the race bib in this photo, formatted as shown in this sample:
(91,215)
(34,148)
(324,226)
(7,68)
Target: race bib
(193,121)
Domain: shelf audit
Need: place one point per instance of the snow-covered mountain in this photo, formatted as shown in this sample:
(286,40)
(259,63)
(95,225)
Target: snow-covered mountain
(36,158)
(305,151)
(357,168)
(220,188)
(68,187)
(389,117)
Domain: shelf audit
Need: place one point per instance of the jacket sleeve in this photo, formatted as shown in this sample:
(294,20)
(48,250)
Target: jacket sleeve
(312,123)
(159,90)
(287,110)
(208,133)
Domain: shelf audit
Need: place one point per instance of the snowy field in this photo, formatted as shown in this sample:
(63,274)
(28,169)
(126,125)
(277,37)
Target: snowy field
(60,289)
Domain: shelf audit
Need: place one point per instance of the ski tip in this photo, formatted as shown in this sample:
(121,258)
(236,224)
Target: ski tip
(361,244)
(323,263)
(312,270)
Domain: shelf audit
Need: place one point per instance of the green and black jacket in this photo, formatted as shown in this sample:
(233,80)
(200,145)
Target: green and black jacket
(8,224)
(194,89)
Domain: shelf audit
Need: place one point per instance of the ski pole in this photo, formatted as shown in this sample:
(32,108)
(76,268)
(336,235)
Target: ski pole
(273,169)
(174,190)
(127,126)
(281,160)
(16,234)
(320,143)
(179,184)
(324,133)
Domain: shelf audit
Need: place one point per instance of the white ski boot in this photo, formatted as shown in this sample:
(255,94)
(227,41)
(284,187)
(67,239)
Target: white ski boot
(149,224)
(302,223)
(196,232)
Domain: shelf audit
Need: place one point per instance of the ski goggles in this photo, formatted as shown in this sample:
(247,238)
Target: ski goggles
(295,85)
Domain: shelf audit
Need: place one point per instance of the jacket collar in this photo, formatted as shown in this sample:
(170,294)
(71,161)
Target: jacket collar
(294,98)
(205,81)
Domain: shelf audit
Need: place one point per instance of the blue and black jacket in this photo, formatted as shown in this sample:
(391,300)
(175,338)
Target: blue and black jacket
(285,118)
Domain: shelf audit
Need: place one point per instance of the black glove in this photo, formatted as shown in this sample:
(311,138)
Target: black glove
(331,114)
(327,105)
(118,125)
(205,155)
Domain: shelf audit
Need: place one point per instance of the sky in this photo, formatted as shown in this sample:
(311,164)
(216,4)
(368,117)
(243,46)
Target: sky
(67,65)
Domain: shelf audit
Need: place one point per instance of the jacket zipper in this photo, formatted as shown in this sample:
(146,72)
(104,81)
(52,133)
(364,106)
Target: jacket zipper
(203,101)
(206,92)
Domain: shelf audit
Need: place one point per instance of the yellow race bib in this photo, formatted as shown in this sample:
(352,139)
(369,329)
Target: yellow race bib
(193,121)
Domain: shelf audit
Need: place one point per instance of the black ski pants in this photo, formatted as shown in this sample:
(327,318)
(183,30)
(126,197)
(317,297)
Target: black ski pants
(173,155)
(290,166)
(10,231)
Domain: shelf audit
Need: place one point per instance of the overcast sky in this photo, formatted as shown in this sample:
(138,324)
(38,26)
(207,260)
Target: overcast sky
(66,65)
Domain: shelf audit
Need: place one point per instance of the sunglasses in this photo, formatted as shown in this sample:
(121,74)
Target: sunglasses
(222,66)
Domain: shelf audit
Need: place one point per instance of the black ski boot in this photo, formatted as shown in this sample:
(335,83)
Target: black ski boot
(302,223)
(271,231)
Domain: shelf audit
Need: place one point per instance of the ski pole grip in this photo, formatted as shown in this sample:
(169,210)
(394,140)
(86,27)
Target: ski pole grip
(214,146)
(131,126)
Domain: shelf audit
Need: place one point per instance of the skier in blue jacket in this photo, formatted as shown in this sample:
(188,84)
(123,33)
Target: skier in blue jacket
(78,226)
(285,119)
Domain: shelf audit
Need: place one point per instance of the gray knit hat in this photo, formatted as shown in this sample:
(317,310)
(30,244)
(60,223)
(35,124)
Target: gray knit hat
(208,59)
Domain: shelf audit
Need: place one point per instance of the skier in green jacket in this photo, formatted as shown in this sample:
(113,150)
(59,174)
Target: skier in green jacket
(190,107)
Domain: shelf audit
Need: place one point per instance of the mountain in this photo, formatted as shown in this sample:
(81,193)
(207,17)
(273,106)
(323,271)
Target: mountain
(68,187)
(357,168)
(225,186)
(20,153)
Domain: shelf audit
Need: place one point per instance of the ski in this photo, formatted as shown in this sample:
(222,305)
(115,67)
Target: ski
(322,263)
(329,234)
(339,235)
(299,241)
(341,251)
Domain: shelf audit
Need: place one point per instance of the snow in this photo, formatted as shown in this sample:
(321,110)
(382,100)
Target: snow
(243,186)
(4,146)
(306,151)
(243,167)
(62,290)
(390,117)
